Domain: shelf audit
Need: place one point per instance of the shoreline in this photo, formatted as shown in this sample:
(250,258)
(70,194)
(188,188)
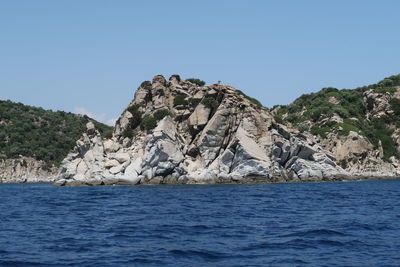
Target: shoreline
(118,182)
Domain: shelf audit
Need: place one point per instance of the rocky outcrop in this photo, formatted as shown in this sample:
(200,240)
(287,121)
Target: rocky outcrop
(378,103)
(210,134)
(359,127)
(26,170)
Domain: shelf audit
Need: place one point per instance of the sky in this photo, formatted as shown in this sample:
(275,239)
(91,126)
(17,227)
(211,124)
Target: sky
(90,56)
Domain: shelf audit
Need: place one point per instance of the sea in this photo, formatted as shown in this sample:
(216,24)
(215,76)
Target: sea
(279,224)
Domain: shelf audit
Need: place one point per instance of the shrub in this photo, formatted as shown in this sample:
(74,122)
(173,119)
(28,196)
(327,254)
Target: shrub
(370,103)
(251,99)
(254,101)
(395,104)
(161,113)
(129,133)
(146,85)
(136,116)
(386,82)
(108,135)
(294,108)
(382,90)
(180,100)
(346,128)
(194,101)
(210,102)
(303,127)
(196,81)
(278,118)
(148,122)
(343,163)
(321,131)
(293,118)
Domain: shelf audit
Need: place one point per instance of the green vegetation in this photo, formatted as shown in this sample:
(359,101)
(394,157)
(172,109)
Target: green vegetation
(43,134)
(134,122)
(180,100)
(343,163)
(161,113)
(148,122)
(252,100)
(351,107)
(146,85)
(136,116)
(210,102)
(303,127)
(196,81)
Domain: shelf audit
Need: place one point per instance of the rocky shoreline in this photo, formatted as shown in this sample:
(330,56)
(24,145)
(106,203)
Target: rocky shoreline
(26,170)
(176,132)
(116,182)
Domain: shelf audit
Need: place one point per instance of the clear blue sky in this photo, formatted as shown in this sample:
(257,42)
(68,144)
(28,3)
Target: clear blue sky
(90,56)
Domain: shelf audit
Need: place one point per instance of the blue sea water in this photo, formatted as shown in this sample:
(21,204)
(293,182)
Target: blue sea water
(296,224)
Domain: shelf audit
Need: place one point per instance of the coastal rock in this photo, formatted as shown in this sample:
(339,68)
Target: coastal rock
(229,139)
(26,170)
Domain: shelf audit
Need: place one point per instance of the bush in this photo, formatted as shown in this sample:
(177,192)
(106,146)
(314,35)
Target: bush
(161,113)
(136,116)
(343,163)
(395,104)
(196,81)
(382,90)
(129,133)
(146,85)
(321,131)
(293,118)
(210,102)
(346,128)
(294,108)
(148,122)
(303,127)
(180,100)
(370,103)
(386,82)
(251,99)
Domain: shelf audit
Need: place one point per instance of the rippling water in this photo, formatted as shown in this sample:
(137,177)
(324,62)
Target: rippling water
(320,224)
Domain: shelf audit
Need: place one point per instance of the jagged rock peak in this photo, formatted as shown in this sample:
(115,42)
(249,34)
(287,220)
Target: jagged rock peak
(159,79)
(175,77)
(179,132)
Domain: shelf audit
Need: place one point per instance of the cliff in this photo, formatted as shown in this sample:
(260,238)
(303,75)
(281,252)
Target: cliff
(176,131)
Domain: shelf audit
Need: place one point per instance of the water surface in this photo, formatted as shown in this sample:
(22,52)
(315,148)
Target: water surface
(310,224)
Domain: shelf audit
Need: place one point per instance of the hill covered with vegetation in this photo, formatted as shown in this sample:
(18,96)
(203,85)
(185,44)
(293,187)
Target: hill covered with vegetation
(372,111)
(42,134)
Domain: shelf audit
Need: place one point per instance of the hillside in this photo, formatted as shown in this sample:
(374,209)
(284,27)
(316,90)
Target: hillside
(29,134)
(366,118)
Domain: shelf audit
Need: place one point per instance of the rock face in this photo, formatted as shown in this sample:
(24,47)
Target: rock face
(26,170)
(177,132)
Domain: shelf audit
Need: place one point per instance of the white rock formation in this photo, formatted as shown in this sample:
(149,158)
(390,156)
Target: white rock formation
(26,170)
(216,136)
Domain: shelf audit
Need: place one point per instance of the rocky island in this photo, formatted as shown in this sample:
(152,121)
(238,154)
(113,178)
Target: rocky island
(179,131)
(176,131)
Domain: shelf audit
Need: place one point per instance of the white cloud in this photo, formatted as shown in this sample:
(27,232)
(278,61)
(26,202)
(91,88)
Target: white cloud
(98,117)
